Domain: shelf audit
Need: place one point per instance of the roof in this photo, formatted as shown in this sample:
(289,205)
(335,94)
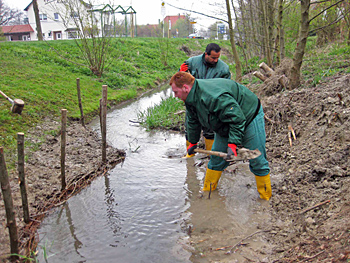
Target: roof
(173,19)
(17,29)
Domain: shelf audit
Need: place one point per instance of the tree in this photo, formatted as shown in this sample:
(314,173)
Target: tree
(9,16)
(37,20)
(233,44)
(92,30)
(303,35)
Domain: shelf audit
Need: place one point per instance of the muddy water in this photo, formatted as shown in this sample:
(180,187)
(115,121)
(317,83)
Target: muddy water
(146,209)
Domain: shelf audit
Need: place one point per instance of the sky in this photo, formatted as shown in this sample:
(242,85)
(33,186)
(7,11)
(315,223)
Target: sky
(150,11)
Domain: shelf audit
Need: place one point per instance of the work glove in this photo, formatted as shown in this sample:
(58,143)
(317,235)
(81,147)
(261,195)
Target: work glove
(184,67)
(190,148)
(231,150)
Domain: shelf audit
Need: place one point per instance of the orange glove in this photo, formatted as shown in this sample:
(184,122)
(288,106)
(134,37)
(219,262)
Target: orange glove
(190,148)
(184,67)
(231,149)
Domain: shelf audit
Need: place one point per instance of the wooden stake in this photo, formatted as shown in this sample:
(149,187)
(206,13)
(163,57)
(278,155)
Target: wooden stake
(21,176)
(63,147)
(79,101)
(104,123)
(10,213)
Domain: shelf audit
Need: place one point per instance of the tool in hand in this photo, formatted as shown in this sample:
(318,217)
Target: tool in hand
(17,104)
(243,154)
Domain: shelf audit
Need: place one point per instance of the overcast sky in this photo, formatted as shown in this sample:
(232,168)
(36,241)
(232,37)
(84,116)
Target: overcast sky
(150,11)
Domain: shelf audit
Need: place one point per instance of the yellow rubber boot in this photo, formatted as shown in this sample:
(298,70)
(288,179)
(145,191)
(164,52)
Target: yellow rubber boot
(208,144)
(211,179)
(187,155)
(263,184)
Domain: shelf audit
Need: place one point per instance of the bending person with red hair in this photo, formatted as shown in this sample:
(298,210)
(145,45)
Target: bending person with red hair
(235,115)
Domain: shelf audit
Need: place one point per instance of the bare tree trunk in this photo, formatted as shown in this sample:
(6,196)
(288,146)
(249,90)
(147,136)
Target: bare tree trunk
(300,49)
(37,20)
(233,45)
(265,30)
(240,34)
(279,31)
(254,28)
(270,26)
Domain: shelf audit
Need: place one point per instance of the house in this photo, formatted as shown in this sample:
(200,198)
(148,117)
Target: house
(52,23)
(17,32)
(58,21)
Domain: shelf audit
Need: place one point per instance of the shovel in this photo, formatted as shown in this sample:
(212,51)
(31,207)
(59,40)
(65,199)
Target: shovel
(17,104)
(243,154)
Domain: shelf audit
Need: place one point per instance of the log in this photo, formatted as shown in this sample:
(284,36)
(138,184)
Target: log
(269,71)
(259,75)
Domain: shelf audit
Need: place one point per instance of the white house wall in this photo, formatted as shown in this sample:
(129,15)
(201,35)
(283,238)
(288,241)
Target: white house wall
(52,29)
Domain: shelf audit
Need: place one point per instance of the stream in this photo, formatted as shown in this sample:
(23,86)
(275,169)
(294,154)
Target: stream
(145,209)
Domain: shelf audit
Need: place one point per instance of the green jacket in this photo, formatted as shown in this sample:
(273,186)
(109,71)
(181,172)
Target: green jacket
(201,70)
(222,105)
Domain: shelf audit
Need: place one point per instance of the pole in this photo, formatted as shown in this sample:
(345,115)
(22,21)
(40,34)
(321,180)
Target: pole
(79,101)
(21,176)
(10,213)
(63,147)
(104,122)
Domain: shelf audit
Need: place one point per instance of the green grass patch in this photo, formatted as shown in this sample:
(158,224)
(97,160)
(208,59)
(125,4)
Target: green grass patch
(162,116)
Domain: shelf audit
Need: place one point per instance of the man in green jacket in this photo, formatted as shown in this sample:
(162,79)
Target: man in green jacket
(235,115)
(207,66)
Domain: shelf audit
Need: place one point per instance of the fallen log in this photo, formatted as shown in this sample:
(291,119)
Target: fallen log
(269,71)
(259,75)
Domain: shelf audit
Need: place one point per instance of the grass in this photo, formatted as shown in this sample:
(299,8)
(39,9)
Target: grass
(162,115)
(43,75)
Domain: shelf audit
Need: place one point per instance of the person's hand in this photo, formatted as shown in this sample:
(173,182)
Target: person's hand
(184,67)
(190,148)
(231,150)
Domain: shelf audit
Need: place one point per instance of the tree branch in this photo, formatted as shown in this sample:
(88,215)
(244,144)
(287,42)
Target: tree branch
(198,13)
(334,22)
(325,10)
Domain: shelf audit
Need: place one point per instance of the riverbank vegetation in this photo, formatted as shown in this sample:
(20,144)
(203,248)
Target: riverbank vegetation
(43,75)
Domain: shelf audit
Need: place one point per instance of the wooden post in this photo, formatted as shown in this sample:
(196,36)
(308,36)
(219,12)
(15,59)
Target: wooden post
(63,147)
(269,71)
(80,105)
(21,176)
(7,196)
(104,122)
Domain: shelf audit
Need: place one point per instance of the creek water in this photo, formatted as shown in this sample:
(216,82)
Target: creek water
(142,209)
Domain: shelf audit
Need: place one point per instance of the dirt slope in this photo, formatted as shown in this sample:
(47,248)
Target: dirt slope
(315,169)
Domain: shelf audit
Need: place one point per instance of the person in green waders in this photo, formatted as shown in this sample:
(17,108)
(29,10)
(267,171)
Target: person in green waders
(206,66)
(235,115)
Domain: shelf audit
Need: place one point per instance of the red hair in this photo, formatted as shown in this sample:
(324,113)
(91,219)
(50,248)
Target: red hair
(180,78)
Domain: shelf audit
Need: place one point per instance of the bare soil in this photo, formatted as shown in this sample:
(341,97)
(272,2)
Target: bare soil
(310,206)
